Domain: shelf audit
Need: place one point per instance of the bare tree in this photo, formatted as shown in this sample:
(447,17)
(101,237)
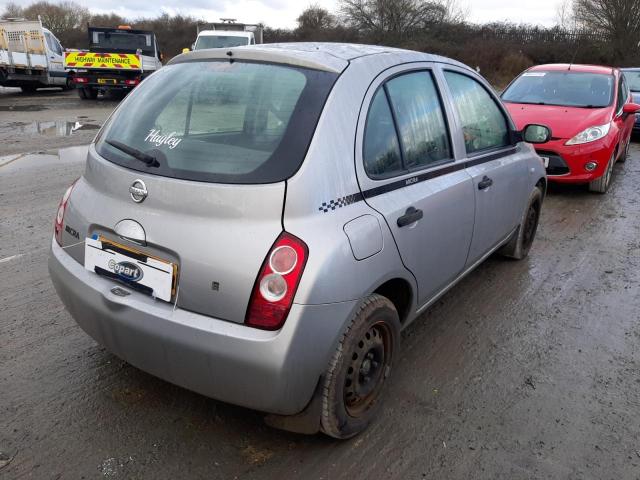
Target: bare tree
(59,17)
(12,10)
(564,15)
(397,18)
(315,17)
(456,11)
(617,18)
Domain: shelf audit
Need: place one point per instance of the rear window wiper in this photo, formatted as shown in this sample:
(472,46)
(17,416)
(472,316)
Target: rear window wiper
(149,160)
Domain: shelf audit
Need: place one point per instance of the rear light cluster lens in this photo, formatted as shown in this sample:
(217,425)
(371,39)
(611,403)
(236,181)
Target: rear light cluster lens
(135,81)
(62,207)
(80,80)
(277,283)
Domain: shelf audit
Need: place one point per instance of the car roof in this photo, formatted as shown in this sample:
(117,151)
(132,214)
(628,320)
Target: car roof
(332,57)
(224,33)
(573,67)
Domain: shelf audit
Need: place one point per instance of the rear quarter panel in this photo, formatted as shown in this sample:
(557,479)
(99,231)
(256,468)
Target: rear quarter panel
(324,195)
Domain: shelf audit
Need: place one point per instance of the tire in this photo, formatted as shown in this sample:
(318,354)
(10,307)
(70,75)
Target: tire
(359,369)
(625,155)
(28,88)
(520,243)
(601,185)
(68,85)
(87,93)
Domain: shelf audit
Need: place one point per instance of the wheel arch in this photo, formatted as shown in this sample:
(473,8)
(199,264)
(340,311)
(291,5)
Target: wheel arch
(400,292)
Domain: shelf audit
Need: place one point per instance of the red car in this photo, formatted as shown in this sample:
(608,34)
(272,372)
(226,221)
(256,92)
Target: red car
(590,112)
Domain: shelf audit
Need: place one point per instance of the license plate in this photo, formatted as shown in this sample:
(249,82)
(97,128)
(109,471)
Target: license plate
(140,271)
(545,161)
(103,81)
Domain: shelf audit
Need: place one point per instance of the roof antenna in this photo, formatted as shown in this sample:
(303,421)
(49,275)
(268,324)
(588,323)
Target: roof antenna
(575,53)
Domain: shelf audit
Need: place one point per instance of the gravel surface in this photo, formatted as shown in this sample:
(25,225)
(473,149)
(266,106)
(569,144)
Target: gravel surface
(525,370)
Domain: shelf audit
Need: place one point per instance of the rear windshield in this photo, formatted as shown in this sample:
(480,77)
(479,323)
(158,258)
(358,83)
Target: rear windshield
(122,40)
(564,88)
(214,41)
(218,121)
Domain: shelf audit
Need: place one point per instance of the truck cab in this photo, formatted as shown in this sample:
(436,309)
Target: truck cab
(226,34)
(31,56)
(223,39)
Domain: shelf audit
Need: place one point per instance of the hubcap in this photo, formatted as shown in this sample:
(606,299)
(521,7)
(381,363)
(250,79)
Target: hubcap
(367,369)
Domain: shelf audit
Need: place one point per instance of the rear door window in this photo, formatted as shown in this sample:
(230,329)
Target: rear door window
(421,125)
(406,127)
(484,125)
(220,121)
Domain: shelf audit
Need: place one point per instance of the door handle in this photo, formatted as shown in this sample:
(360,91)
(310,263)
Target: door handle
(412,215)
(485,183)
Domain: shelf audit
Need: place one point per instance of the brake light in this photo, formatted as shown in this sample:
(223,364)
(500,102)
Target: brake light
(80,80)
(62,207)
(135,81)
(277,283)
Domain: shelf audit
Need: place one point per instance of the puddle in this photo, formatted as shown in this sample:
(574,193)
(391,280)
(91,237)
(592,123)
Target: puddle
(51,129)
(22,108)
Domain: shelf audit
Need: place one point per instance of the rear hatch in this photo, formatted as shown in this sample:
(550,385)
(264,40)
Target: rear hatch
(212,144)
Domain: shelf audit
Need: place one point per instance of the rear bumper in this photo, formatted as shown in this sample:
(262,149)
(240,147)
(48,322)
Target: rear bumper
(116,79)
(274,372)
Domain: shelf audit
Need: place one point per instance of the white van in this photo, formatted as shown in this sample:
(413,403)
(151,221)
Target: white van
(31,56)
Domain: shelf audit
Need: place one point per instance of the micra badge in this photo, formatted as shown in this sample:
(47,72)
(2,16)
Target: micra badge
(72,232)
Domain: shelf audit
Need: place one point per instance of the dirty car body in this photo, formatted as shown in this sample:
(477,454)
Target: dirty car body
(319,187)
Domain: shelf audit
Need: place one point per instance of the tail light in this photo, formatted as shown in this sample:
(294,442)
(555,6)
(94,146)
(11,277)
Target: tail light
(62,207)
(135,81)
(277,283)
(80,80)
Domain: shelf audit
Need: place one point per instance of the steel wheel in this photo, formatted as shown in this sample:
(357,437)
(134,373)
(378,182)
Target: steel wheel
(366,372)
(530,226)
(354,382)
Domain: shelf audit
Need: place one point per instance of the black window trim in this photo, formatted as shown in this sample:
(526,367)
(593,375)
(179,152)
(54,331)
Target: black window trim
(415,170)
(507,149)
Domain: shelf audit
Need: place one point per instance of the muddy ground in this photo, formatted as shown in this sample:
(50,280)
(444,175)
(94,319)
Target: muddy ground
(48,120)
(525,370)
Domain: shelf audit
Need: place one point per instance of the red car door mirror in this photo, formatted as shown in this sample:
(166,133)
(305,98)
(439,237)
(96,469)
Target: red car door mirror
(631,108)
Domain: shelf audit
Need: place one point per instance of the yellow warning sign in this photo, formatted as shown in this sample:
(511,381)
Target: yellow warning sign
(118,61)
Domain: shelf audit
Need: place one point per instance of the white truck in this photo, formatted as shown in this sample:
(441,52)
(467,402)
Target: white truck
(227,33)
(31,56)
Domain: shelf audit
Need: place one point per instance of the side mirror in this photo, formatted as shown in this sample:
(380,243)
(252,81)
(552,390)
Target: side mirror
(631,108)
(536,134)
(185,50)
(161,56)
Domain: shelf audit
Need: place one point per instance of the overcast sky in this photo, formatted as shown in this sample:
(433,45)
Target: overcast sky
(283,13)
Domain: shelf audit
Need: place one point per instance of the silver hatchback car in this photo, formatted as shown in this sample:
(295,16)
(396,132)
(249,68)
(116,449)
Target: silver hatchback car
(258,224)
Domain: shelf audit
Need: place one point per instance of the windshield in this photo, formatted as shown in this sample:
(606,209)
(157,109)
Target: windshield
(633,79)
(564,88)
(219,121)
(210,41)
